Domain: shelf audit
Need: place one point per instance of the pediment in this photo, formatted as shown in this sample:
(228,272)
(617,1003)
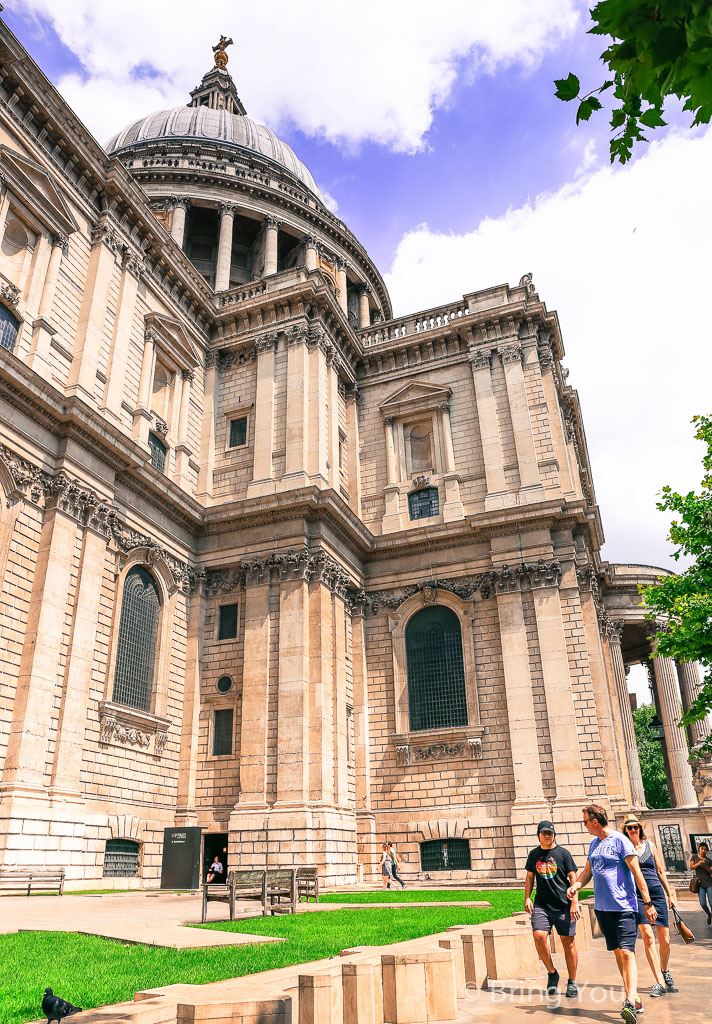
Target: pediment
(415,395)
(173,340)
(35,189)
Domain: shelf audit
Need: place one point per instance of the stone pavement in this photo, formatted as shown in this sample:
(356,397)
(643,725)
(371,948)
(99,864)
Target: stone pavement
(601,992)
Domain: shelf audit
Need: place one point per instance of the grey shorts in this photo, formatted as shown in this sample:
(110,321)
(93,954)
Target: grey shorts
(543,920)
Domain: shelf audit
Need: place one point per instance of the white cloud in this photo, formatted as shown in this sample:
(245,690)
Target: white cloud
(375,73)
(623,255)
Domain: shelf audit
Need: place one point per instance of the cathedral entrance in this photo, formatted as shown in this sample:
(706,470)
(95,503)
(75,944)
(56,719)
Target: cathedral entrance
(214,845)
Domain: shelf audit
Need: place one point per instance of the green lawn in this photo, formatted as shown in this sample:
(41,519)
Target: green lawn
(92,971)
(412,896)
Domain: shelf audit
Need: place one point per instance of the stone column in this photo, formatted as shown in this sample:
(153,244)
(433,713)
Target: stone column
(565,750)
(510,352)
(332,371)
(497,494)
(453,507)
(296,472)
(180,209)
(255,690)
(364,306)
(40,664)
(365,818)
(683,792)
(341,739)
(392,518)
(263,471)
(354,449)
(626,716)
(561,452)
(82,381)
(530,804)
(293,727)
(310,252)
(688,674)
(182,448)
(271,251)
(132,268)
(142,413)
(222,270)
(207,433)
(341,279)
(42,328)
(321,707)
(189,753)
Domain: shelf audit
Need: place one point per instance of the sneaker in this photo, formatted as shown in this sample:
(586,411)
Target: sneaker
(552,983)
(709,919)
(571,989)
(639,1008)
(657,990)
(628,1012)
(668,979)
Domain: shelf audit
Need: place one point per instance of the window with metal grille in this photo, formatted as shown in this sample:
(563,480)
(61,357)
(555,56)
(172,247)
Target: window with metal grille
(436,673)
(424,503)
(9,326)
(121,858)
(227,625)
(445,855)
(222,732)
(158,452)
(238,432)
(136,643)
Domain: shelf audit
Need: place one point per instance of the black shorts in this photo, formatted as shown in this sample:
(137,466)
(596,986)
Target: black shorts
(619,928)
(544,919)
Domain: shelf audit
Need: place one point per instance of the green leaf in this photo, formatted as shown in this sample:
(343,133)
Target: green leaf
(567,88)
(584,111)
(652,119)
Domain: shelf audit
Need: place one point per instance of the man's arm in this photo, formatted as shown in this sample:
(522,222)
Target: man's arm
(528,886)
(584,877)
(634,865)
(575,909)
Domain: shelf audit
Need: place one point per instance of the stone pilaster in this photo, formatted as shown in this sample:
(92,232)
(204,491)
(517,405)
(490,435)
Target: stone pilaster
(561,453)
(453,507)
(510,352)
(207,433)
(364,306)
(310,252)
(132,267)
(293,728)
(497,494)
(322,695)
(319,406)
(341,282)
(263,470)
(182,448)
(353,442)
(392,517)
(42,328)
(189,755)
(255,692)
(296,474)
(142,414)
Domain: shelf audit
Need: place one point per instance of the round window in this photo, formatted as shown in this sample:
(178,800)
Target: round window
(224,684)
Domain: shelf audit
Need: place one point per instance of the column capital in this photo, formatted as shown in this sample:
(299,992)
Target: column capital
(273,222)
(389,420)
(150,337)
(510,353)
(210,359)
(228,209)
(60,241)
(310,241)
(267,342)
(480,358)
(188,375)
(104,233)
(363,288)
(181,201)
(133,262)
(445,407)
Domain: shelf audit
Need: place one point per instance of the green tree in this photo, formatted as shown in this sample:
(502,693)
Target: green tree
(685,599)
(652,762)
(657,50)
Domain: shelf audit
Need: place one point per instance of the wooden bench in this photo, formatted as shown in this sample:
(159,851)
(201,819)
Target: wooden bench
(307,884)
(240,885)
(280,891)
(25,879)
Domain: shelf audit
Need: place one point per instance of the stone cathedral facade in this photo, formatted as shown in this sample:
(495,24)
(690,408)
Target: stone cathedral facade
(276,564)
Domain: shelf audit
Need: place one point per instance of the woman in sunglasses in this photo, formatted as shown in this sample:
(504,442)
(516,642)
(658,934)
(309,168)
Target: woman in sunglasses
(662,895)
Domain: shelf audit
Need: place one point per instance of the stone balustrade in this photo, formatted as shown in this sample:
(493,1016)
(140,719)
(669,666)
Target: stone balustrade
(411,326)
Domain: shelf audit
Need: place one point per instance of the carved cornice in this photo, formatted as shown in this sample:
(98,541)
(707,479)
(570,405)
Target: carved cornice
(295,564)
(464,587)
(25,476)
(536,574)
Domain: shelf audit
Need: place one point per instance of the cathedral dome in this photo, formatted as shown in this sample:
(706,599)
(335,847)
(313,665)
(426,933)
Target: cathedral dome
(215,126)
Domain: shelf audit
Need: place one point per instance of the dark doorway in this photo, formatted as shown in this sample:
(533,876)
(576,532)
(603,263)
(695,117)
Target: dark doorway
(214,843)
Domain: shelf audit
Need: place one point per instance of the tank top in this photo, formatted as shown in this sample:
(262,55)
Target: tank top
(647,866)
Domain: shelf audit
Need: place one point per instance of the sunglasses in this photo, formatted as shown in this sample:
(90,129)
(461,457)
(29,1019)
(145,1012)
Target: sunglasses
(632,828)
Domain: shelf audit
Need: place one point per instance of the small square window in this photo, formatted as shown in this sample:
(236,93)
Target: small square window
(424,503)
(222,732)
(158,452)
(227,626)
(238,432)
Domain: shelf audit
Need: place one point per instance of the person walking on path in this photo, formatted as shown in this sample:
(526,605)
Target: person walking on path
(702,866)
(552,868)
(662,896)
(613,864)
(386,866)
(395,864)
(215,871)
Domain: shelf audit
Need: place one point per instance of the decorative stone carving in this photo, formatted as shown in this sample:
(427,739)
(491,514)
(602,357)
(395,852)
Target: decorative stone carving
(294,564)
(161,427)
(546,356)
(403,754)
(61,241)
(430,595)
(537,574)
(113,731)
(480,358)
(586,576)
(438,751)
(511,353)
(418,482)
(229,209)
(210,359)
(272,222)
(103,232)
(475,745)
(460,745)
(267,342)
(236,357)
(465,587)
(298,334)
(159,743)
(9,294)
(25,476)
(526,282)
(133,262)
(188,375)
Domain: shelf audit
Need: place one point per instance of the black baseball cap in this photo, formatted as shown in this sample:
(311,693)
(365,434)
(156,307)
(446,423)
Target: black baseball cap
(545,826)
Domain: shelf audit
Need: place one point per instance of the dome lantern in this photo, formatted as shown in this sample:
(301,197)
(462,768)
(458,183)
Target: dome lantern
(217,89)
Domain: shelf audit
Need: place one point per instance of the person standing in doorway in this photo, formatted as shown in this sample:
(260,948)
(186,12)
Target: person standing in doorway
(702,866)
(395,864)
(662,896)
(386,866)
(613,865)
(552,868)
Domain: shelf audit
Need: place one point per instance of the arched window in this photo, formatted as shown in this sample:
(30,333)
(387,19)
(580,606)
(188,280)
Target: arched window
(423,503)
(136,644)
(9,326)
(436,673)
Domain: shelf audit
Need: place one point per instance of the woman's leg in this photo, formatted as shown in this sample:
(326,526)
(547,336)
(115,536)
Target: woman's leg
(651,951)
(664,943)
(708,894)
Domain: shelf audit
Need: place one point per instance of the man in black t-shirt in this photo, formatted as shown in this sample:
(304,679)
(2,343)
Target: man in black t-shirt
(553,869)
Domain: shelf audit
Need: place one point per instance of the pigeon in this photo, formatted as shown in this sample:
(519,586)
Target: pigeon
(57,1009)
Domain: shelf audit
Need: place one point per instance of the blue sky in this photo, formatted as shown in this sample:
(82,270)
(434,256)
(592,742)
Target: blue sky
(435,130)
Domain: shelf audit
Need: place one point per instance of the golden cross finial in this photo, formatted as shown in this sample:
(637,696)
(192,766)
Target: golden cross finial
(219,51)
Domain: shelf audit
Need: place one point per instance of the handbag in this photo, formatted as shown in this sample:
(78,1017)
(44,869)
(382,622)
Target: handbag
(682,928)
(694,884)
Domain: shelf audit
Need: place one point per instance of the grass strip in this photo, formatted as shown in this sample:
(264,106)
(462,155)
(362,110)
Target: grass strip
(91,971)
(409,896)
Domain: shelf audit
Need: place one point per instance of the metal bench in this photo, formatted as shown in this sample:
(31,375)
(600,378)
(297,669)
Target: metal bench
(27,879)
(307,884)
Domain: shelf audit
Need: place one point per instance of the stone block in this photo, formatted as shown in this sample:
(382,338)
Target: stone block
(315,994)
(455,944)
(231,1011)
(418,987)
(362,993)
(510,953)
